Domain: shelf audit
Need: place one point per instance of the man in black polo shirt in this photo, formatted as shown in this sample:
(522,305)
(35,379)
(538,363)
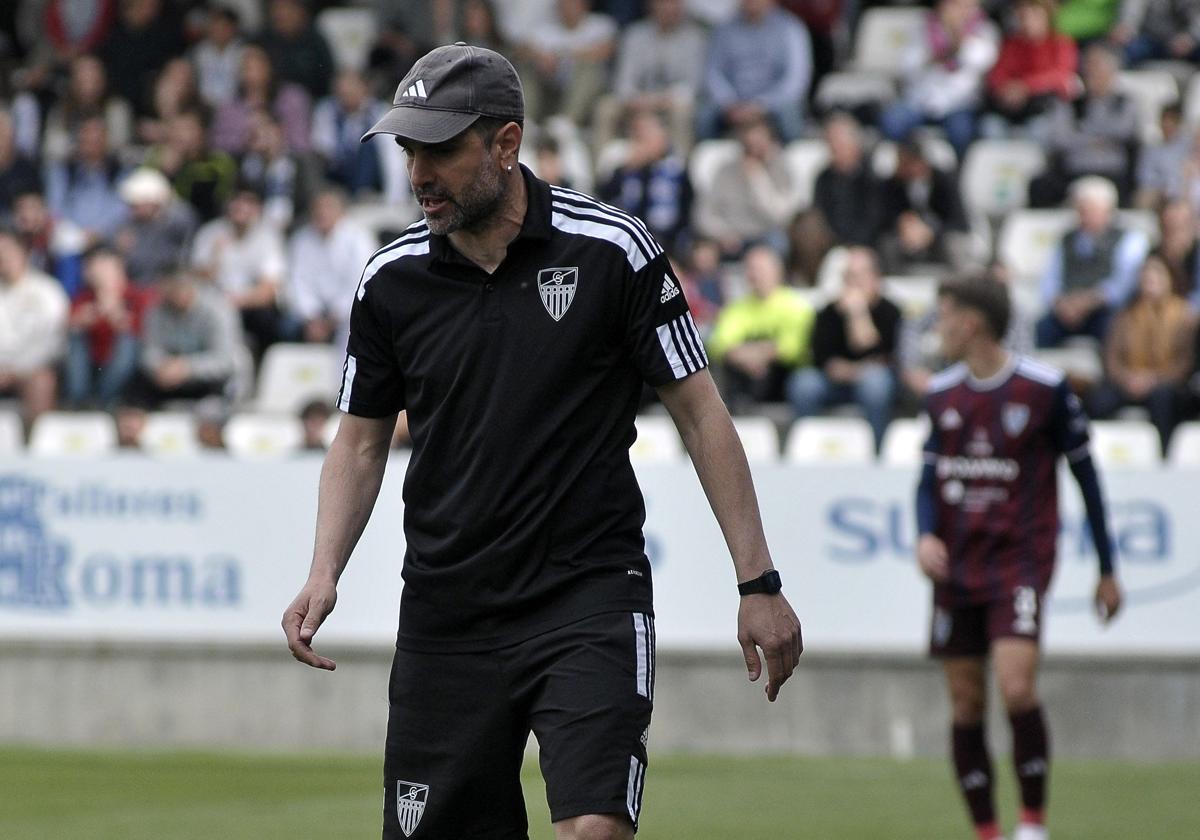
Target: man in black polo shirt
(516,324)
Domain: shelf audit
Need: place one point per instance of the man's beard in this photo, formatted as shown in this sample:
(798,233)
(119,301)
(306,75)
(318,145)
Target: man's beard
(475,208)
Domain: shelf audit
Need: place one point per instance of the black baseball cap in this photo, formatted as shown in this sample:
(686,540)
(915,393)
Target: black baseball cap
(447,90)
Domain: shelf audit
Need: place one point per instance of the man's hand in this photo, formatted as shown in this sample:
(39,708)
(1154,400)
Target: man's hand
(768,622)
(302,618)
(933,558)
(1108,598)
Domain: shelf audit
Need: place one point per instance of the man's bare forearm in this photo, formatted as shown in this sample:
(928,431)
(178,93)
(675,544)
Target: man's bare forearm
(350,482)
(720,462)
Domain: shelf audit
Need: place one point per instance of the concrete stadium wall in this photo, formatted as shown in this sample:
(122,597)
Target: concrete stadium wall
(258,698)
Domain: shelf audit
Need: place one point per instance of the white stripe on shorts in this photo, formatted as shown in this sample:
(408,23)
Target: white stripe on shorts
(633,792)
(641,635)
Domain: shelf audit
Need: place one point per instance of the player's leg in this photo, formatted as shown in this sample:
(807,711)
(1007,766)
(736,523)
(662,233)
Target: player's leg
(1015,657)
(590,690)
(454,747)
(959,639)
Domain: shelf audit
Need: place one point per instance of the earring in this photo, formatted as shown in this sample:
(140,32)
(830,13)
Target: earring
(510,167)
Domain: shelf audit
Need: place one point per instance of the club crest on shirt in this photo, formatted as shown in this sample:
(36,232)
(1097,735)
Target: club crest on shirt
(1014,417)
(950,419)
(410,805)
(557,289)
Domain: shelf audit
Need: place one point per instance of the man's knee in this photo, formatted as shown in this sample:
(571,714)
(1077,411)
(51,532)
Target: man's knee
(1019,692)
(596,827)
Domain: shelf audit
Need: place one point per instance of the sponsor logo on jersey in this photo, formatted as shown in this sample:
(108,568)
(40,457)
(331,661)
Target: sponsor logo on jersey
(670,289)
(950,420)
(1014,417)
(557,289)
(410,805)
(985,469)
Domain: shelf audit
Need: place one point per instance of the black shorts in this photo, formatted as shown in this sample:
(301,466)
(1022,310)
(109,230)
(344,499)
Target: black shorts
(970,630)
(459,724)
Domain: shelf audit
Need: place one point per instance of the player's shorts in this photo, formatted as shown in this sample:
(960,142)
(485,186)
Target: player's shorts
(970,630)
(459,724)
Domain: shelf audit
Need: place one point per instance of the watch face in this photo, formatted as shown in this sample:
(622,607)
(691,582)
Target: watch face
(772,582)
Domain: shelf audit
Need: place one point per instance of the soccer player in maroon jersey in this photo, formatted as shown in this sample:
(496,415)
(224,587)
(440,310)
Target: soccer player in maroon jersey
(987,511)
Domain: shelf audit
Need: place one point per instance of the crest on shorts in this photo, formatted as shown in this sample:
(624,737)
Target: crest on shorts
(1014,417)
(410,805)
(557,289)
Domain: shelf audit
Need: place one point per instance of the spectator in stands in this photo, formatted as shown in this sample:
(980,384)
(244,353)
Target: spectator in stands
(18,174)
(154,241)
(33,321)
(55,32)
(922,218)
(759,340)
(147,35)
(191,343)
(1036,68)
(175,91)
(752,198)
(1179,249)
(259,90)
(274,172)
(652,183)
(339,122)
(845,208)
(86,94)
(298,52)
(201,176)
(943,74)
(1160,166)
(1096,134)
(564,62)
(478,26)
(314,417)
(704,311)
(759,64)
(550,164)
(1093,272)
(704,270)
(51,248)
(854,345)
(1148,354)
(1087,20)
(325,258)
(825,21)
(1159,29)
(83,188)
(660,64)
(105,332)
(243,257)
(218,56)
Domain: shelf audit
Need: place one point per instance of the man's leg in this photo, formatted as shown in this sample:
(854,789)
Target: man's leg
(1050,331)
(966,679)
(594,827)
(875,391)
(808,391)
(1016,662)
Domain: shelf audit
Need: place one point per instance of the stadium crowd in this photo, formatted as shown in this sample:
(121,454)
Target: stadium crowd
(182,184)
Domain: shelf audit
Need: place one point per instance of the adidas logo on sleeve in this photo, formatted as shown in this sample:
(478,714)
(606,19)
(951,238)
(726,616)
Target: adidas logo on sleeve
(670,289)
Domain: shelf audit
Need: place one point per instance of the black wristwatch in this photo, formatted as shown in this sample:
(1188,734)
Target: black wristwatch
(768,583)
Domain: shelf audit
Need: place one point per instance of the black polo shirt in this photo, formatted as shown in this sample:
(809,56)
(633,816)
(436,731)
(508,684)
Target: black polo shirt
(522,512)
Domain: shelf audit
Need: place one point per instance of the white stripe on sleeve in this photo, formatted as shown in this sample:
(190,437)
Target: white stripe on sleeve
(347,382)
(668,345)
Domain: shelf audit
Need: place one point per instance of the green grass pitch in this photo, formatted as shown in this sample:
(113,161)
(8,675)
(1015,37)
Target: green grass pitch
(48,795)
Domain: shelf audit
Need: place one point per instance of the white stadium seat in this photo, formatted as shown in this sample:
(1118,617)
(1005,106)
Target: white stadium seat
(852,89)
(937,151)
(12,436)
(996,174)
(884,35)
(379,217)
(913,295)
(759,438)
(294,374)
(350,33)
(168,433)
(805,159)
(1152,90)
(830,440)
(1124,443)
(1079,358)
(609,158)
(84,433)
(1185,446)
(904,441)
(657,441)
(1029,237)
(707,157)
(254,436)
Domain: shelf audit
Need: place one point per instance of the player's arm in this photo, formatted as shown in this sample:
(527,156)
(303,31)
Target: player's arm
(1071,437)
(350,482)
(932,556)
(764,621)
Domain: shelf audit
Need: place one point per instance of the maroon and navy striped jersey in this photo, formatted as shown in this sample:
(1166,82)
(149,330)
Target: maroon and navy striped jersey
(994,447)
